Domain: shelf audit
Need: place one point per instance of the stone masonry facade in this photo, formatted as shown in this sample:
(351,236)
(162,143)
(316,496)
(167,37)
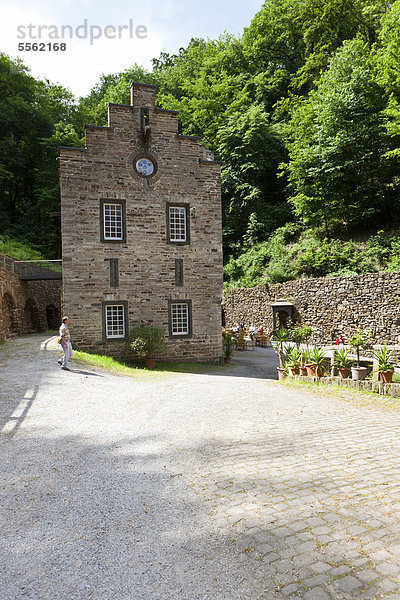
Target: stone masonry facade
(141,233)
(27,306)
(331,305)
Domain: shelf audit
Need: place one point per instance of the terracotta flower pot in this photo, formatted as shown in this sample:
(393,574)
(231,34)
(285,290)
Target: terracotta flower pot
(294,371)
(386,376)
(281,373)
(344,372)
(150,363)
(227,359)
(303,371)
(358,373)
(314,371)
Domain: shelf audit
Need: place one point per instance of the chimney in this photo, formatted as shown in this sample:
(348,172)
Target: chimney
(143,95)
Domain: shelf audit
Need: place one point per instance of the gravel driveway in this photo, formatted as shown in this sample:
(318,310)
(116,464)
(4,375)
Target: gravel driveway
(219,485)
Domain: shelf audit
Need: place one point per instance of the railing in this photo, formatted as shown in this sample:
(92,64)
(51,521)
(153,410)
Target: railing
(7,263)
(30,270)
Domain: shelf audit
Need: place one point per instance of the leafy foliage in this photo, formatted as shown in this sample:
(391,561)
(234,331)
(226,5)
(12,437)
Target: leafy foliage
(18,250)
(293,357)
(342,360)
(146,341)
(300,333)
(317,356)
(337,166)
(384,359)
(303,110)
(360,340)
(228,345)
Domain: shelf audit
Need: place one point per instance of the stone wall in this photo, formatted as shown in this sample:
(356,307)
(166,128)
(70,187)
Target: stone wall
(146,259)
(331,305)
(27,306)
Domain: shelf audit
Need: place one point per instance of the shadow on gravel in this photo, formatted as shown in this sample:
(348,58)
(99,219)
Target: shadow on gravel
(13,411)
(111,520)
(86,373)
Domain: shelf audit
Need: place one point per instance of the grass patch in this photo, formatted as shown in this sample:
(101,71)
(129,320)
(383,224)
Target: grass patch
(364,397)
(107,363)
(18,250)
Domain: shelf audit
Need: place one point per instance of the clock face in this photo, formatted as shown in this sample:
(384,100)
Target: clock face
(145,166)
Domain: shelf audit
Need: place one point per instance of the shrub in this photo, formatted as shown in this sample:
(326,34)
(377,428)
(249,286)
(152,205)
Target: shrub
(301,333)
(360,340)
(18,250)
(146,341)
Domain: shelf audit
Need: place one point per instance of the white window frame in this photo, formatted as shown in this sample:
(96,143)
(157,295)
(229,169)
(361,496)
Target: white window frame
(175,226)
(180,319)
(113,336)
(110,238)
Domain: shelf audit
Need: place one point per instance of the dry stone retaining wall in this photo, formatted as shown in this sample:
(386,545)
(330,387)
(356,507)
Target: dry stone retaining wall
(330,305)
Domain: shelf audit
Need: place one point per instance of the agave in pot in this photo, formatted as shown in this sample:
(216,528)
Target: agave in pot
(315,367)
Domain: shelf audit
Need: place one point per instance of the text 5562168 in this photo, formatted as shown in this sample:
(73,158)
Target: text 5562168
(42,47)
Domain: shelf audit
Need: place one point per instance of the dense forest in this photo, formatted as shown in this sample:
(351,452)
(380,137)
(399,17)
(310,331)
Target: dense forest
(303,109)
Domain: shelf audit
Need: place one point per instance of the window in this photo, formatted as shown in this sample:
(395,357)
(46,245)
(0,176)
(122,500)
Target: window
(112,217)
(180,318)
(112,221)
(115,320)
(178,223)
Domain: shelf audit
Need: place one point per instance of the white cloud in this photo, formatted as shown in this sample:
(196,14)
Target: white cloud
(79,66)
(170,25)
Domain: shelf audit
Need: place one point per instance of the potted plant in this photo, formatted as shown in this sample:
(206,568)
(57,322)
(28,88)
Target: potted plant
(305,356)
(292,362)
(228,346)
(357,341)
(342,361)
(147,342)
(385,365)
(315,366)
(300,333)
(283,371)
(280,338)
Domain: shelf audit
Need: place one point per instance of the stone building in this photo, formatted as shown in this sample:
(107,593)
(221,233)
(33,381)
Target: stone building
(141,233)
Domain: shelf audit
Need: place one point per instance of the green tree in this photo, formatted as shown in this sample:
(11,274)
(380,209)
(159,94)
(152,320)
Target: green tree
(206,82)
(337,167)
(112,88)
(29,189)
(388,73)
(251,150)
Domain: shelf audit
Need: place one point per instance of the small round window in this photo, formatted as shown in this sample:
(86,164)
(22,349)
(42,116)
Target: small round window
(145,167)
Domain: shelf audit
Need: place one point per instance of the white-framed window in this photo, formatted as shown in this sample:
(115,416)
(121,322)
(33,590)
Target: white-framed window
(112,220)
(178,223)
(115,321)
(180,318)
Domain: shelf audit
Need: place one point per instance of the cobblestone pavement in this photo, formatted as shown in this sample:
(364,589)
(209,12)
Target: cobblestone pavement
(219,485)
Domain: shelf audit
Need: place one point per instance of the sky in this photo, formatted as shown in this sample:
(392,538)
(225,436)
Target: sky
(109,36)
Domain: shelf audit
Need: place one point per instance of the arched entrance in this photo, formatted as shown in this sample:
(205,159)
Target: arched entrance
(9,314)
(31,313)
(53,317)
